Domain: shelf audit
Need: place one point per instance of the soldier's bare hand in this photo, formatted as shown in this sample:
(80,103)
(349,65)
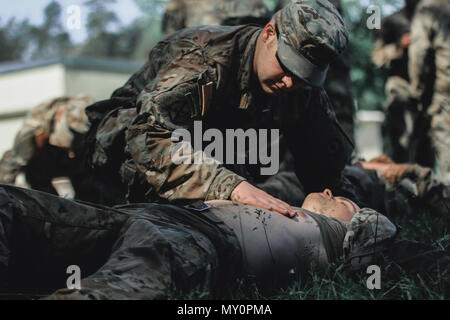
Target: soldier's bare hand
(245,193)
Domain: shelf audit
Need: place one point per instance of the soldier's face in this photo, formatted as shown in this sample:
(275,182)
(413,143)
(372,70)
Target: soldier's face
(273,79)
(328,205)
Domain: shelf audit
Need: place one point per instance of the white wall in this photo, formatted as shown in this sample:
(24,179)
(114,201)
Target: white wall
(368,136)
(96,84)
(22,90)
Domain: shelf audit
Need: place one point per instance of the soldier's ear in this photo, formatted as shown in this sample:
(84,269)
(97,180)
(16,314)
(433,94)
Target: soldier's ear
(269,32)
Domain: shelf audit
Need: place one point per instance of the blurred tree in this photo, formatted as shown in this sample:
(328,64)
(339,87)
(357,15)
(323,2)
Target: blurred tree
(100,18)
(14,40)
(50,39)
(101,42)
(150,25)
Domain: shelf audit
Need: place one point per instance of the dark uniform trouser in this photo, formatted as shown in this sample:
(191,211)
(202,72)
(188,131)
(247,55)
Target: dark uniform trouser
(140,251)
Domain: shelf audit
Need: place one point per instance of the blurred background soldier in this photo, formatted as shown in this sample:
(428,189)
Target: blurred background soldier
(48,150)
(429,71)
(403,130)
(399,188)
(338,83)
(189,13)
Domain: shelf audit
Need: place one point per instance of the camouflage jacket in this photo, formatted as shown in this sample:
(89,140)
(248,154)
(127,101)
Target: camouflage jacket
(205,73)
(429,52)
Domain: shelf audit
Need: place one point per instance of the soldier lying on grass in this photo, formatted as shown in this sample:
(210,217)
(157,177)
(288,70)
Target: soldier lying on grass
(145,251)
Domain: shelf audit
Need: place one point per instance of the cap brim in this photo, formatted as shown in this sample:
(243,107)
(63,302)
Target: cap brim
(300,66)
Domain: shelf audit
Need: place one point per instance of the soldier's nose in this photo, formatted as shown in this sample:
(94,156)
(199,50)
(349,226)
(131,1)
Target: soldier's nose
(287,81)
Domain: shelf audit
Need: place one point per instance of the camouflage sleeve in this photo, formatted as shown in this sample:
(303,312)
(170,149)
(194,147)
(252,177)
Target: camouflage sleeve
(418,52)
(10,168)
(171,103)
(425,187)
(386,46)
(383,54)
(36,123)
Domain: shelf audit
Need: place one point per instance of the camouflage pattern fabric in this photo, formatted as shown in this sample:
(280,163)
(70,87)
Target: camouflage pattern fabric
(368,233)
(168,93)
(401,121)
(403,134)
(47,144)
(430,46)
(411,190)
(143,251)
(281,3)
(181,14)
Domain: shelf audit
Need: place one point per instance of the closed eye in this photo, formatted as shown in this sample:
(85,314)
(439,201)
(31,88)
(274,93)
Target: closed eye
(348,204)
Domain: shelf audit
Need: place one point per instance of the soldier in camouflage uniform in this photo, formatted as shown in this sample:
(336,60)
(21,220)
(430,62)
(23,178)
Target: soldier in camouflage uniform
(50,145)
(338,84)
(181,14)
(402,129)
(227,77)
(150,251)
(429,54)
(154,251)
(399,188)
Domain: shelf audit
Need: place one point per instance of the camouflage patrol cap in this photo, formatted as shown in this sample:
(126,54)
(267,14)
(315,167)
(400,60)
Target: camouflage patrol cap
(311,34)
(368,233)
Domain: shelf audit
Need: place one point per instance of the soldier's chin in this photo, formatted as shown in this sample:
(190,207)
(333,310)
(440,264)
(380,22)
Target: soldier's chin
(311,201)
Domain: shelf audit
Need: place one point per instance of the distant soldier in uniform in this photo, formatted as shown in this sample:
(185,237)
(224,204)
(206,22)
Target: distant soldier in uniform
(48,150)
(338,83)
(227,78)
(403,125)
(181,14)
(429,71)
(396,189)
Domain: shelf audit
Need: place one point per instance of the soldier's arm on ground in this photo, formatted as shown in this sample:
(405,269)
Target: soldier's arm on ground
(171,102)
(424,186)
(417,183)
(419,51)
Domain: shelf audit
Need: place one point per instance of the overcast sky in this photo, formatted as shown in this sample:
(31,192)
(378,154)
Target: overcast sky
(126,10)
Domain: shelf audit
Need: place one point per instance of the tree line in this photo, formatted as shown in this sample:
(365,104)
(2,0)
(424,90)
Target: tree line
(107,37)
